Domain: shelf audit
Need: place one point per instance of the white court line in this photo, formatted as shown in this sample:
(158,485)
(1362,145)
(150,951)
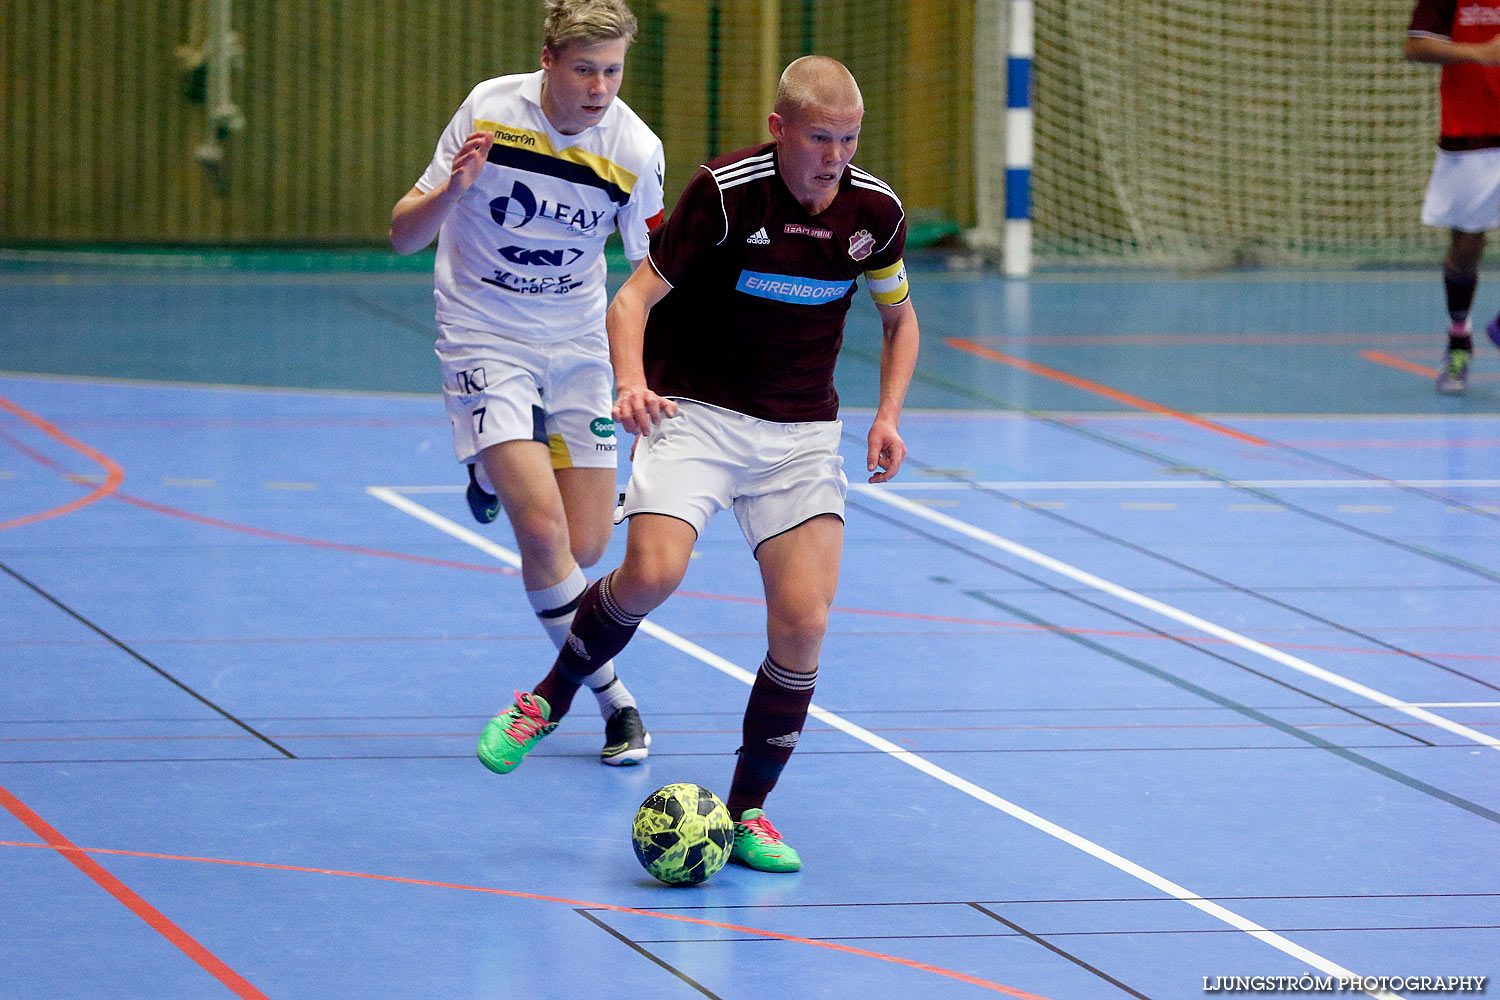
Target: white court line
(1282,944)
(1176,614)
(417,490)
(1142,484)
(1199,484)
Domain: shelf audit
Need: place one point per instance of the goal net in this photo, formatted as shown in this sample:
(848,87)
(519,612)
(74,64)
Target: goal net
(1188,132)
(1223,132)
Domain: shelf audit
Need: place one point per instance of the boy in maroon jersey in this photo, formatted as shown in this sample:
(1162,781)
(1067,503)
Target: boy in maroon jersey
(1464,193)
(723,352)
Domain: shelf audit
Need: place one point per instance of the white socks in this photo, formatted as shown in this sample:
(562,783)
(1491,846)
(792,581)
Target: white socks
(554,608)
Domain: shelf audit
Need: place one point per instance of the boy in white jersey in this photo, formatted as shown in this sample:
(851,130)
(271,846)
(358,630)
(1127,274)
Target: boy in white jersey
(532,174)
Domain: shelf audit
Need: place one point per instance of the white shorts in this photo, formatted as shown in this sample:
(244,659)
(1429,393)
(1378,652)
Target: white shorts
(707,459)
(558,394)
(1464,192)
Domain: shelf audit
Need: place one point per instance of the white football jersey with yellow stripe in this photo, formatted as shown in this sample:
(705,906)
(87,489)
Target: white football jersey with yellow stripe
(522,253)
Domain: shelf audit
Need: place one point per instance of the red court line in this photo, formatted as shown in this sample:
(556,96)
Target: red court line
(969,347)
(736,599)
(1391,361)
(28,451)
(316,543)
(114,475)
(1444,443)
(507,571)
(935,970)
(253,423)
(152,916)
(1229,340)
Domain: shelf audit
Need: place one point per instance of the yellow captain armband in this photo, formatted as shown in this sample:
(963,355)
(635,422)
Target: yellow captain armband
(888,284)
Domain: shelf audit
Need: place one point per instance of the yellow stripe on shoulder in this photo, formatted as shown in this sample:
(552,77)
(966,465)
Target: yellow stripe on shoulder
(537,142)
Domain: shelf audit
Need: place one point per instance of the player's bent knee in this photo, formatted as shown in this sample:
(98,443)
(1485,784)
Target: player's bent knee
(658,585)
(541,531)
(802,625)
(641,585)
(588,551)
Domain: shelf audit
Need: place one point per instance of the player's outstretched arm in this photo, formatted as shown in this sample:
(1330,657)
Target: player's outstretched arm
(1425,49)
(636,407)
(419,214)
(898,360)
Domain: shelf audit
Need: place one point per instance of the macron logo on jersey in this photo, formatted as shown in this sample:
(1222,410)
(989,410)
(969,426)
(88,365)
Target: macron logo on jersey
(789,288)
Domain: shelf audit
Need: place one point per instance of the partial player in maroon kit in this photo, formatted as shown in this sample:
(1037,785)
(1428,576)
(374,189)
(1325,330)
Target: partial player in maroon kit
(1464,193)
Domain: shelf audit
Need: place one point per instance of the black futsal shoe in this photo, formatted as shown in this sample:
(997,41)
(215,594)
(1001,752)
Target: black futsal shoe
(625,738)
(484,506)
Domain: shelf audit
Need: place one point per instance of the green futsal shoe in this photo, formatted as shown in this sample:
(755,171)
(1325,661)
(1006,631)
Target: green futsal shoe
(757,845)
(508,736)
(1454,378)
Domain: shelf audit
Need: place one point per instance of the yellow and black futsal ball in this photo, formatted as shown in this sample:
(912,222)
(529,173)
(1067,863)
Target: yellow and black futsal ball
(682,834)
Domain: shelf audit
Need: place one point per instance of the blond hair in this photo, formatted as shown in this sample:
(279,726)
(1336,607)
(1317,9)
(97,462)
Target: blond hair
(586,21)
(817,81)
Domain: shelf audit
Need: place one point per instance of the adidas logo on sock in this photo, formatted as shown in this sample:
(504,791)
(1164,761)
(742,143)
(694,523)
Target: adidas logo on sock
(759,237)
(578,648)
(789,740)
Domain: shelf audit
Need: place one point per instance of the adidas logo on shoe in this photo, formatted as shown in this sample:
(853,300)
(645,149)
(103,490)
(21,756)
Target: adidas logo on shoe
(759,237)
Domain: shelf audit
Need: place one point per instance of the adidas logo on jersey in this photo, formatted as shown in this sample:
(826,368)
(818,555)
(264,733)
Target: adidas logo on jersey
(759,237)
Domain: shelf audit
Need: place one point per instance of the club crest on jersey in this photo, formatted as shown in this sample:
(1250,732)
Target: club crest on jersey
(861,244)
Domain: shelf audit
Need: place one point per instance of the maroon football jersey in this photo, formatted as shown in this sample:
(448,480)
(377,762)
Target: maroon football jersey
(760,288)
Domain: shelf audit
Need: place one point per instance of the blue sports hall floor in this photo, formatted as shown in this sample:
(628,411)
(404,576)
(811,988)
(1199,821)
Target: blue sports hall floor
(1171,660)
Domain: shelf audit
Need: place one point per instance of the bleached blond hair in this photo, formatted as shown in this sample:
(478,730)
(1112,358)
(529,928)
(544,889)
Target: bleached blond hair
(586,21)
(817,81)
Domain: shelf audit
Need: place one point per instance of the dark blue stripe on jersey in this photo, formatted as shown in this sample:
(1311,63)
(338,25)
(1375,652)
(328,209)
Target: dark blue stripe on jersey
(1018,193)
(1017,83)
(541,163)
